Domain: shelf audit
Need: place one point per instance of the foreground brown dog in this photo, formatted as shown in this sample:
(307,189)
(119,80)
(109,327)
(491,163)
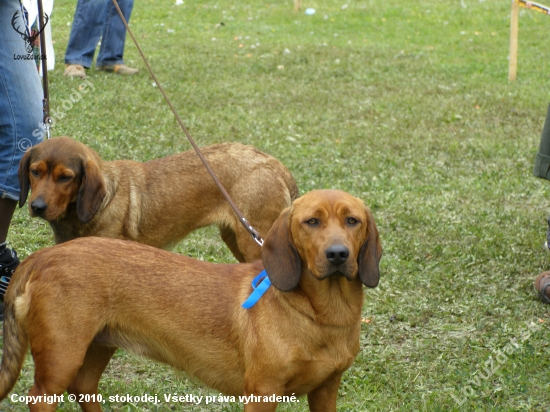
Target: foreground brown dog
(75,303)
(158,202)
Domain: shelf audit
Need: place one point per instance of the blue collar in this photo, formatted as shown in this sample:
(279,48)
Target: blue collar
(259,289)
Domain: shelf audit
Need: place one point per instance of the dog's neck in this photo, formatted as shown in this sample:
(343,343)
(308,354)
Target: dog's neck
(68,226)
(334,301)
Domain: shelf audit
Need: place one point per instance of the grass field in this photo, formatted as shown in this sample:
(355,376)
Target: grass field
(403,104)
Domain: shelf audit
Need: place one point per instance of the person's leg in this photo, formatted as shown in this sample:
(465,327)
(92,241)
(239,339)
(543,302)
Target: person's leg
(87,26)
(542,160)
(20,119)
(8,258)
(114,34)
(542,170)
(7,207)
(542,163)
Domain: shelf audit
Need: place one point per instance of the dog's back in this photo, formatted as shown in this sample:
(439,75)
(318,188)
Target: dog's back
(157,202)
(125,310)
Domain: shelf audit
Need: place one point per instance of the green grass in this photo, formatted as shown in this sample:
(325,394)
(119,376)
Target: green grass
(403,104)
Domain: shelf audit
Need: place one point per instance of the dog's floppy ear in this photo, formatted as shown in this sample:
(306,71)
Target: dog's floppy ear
(92,190)
(23,173)
(370,255)
(279,255)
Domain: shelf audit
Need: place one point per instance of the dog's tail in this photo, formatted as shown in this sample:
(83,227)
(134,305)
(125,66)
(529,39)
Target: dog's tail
(15,337)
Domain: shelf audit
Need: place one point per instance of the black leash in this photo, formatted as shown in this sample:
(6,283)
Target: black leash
(253,232)
(46,101)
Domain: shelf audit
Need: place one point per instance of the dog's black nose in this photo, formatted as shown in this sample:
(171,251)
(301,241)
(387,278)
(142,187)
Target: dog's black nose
(38,206)
(337,254)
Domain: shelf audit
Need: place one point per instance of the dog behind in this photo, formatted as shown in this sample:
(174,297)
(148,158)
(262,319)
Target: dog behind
(75,303)
(158,202)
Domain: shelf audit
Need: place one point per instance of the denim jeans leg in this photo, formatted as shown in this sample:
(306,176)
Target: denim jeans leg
(20,99)
(114,34)
(88,24)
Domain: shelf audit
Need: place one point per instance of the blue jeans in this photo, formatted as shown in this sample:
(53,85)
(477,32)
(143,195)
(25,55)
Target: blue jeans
(20,99)
(95,19)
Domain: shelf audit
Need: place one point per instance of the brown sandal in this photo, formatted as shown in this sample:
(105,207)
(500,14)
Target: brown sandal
(542,286)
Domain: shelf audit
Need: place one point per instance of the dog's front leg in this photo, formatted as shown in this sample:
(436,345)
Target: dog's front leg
(260,407)
(258,394)
(323,398)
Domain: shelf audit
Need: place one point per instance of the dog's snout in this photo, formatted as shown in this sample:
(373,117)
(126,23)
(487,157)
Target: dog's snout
(38,206)
(337,254)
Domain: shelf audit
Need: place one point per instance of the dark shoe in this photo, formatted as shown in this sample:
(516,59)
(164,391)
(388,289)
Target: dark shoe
(8,263)
(542,286)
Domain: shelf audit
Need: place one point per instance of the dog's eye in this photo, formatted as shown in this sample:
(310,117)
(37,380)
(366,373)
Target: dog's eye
(352,221)
(64,178)
(312,222)
(35,173)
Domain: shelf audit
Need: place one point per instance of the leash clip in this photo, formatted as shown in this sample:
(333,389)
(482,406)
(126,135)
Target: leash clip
(47,127)
(256,236)
(253,232)
(46,110)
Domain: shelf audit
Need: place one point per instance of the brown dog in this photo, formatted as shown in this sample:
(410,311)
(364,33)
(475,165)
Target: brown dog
(75,303)
(158,202)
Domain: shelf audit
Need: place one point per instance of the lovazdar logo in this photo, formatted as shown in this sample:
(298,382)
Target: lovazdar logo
(29,40)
